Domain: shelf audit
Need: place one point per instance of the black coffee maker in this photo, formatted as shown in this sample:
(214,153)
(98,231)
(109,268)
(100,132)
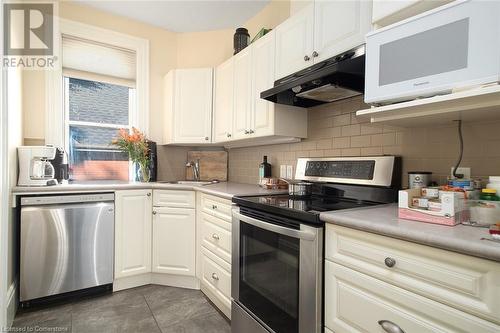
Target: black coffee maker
(60,164)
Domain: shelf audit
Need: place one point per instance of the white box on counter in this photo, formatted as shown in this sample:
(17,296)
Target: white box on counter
(453,209)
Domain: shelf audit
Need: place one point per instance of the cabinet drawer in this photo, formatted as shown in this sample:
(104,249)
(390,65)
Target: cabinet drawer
(216,206)
(355,302)
(174,198)
(464,282)
(216,275)
(216,235)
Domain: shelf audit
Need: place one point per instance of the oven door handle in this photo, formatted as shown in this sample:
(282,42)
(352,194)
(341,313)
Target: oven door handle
(308,235)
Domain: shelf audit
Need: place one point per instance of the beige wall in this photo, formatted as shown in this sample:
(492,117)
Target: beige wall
(15,136)
(204,49)
(334,130)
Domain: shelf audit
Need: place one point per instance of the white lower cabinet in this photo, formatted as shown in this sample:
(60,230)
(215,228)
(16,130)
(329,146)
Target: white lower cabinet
(214,249)
(174,241)
(132,232)
(373,281)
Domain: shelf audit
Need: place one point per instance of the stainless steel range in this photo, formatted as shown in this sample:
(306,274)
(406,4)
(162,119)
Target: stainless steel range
(277,258)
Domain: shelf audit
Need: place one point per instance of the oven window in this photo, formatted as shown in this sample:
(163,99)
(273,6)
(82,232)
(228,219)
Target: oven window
(269,277)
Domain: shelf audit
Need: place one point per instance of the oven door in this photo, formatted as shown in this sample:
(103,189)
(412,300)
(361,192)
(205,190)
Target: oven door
(276,277)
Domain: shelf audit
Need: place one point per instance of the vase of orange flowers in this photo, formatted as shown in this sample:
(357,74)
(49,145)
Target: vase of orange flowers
(136,145)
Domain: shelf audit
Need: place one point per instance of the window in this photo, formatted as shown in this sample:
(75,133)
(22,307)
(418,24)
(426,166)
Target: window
(94,113)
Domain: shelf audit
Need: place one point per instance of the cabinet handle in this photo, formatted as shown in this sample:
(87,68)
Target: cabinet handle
(214,207)
(247,132)
(215,236)
(307,58)
(216,278)
(390,262)
(390,327)
(206,138)
(149,194)
(315,54)
(154,212)
(228,135)
(251,132)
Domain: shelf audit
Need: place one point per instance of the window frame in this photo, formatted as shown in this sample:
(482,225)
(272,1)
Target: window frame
(55,122)
(132,114)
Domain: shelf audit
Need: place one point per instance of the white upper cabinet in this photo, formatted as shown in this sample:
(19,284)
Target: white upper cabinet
(188,106)
(339,26)
(223,104)
(262,117)
(242,93)
(320,31)
(294,42)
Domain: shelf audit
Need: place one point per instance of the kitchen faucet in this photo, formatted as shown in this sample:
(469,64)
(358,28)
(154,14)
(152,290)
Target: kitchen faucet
(196,168)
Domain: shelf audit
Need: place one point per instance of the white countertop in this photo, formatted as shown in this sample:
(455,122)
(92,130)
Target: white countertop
(384,220)
(223,189)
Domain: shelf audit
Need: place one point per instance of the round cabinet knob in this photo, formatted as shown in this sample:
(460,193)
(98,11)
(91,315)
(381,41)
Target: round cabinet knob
(390,262)
(251,132)
(390,327)
(214,207)
(206,138)
(149,194)
(215,236)
(215,277)
(228,135)
(315,54)
(154,212)
(247,132)
(307,58)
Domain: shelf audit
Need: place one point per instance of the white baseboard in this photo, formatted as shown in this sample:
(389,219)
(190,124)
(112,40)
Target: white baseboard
(180,281)
(11,303)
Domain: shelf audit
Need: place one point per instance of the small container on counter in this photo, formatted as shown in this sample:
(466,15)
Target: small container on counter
(495,231)
(419,179)
(489,194)
(430,192)
(420,202)
(435,205)
(484,212)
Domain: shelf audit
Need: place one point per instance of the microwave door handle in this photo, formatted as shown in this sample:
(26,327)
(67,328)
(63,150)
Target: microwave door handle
(301,234)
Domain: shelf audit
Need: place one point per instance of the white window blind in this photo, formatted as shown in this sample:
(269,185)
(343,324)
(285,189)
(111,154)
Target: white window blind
(91,60)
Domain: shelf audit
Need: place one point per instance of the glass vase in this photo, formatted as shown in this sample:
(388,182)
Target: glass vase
(143,174)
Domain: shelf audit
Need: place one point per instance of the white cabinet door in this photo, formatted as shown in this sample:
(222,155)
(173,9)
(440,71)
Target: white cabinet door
(192,107)
(132,232)
(294,43)
(339,26)
(174,244)
(262,117)
(223,105)
(242,93)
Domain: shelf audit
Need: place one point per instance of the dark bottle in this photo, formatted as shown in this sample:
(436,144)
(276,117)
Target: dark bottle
(264,169)
(241,39)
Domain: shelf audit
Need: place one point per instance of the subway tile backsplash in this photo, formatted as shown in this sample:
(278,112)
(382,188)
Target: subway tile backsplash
(334,130)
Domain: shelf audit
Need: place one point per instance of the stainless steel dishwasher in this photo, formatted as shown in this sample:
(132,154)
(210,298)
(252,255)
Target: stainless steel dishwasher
(67,244)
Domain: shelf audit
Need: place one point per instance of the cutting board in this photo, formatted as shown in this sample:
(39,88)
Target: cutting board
(213,165)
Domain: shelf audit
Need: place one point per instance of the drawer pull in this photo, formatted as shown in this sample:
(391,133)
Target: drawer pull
(390,327)
(214,207)
(390,262)
(148,194)
(215,277)
(215,236)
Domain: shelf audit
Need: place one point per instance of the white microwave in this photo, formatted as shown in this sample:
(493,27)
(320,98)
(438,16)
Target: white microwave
(452,47)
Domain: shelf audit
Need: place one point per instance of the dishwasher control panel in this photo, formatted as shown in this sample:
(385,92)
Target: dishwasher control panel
(66,199)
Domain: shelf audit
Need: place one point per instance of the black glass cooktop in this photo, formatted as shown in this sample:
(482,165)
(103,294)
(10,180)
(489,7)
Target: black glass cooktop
(306,209)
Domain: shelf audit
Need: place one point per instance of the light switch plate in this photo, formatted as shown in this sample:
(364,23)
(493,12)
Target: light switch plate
(289,171)
(283,171)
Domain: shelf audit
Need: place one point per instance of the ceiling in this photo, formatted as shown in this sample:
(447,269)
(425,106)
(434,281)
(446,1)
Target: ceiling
(184,16)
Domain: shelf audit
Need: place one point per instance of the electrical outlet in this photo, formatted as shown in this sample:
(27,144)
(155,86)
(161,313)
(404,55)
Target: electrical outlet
(289,171)
(462,171)
(283,171)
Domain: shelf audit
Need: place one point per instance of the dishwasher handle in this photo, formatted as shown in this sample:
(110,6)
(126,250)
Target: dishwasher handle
(67,199)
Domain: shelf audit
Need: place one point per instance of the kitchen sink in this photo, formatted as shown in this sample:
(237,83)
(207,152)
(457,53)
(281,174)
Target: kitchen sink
(190,182)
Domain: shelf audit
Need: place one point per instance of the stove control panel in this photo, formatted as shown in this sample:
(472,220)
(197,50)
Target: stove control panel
(341,169)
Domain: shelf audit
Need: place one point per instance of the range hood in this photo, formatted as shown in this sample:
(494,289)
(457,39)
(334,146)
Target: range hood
(339,77)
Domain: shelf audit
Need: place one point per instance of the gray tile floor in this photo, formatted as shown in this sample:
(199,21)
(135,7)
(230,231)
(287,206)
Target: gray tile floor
(145,309)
